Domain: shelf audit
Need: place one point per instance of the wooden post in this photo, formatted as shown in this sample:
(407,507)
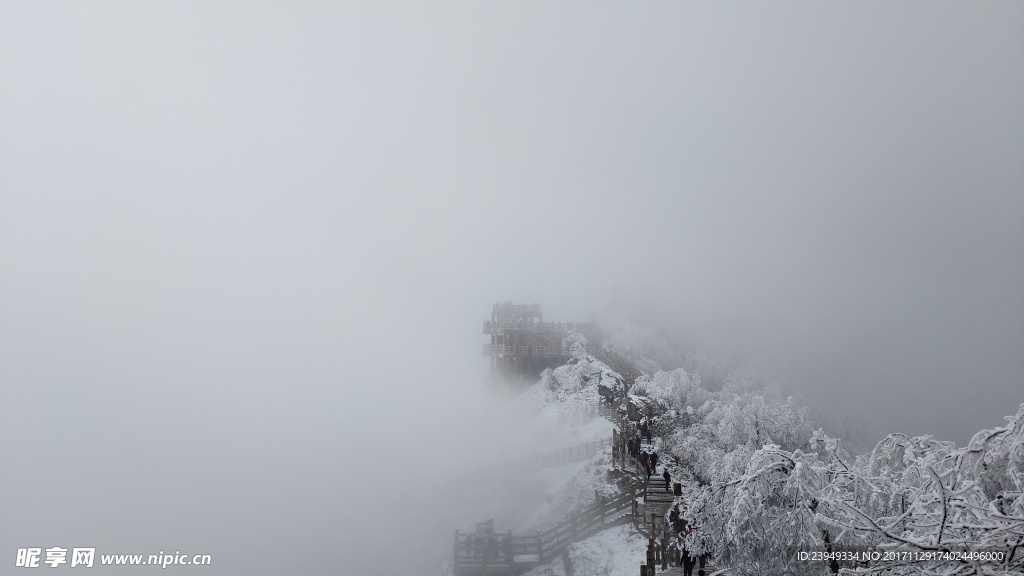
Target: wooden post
(664,553)
(633,500)
(651,562)
(622,449)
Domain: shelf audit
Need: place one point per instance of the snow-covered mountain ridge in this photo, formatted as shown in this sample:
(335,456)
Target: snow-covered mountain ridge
(769,483)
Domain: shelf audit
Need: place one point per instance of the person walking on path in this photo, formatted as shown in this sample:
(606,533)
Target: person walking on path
(654,461)
(667,478)
(688,562)
(645,430)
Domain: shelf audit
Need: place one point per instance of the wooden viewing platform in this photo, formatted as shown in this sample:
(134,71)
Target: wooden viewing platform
(522,343)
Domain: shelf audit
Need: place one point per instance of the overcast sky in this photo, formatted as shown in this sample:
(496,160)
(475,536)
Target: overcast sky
(245,248)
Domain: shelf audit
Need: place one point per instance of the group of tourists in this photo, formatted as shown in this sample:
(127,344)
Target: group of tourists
(643,430)
(649,461)
(648,458)
(635,444)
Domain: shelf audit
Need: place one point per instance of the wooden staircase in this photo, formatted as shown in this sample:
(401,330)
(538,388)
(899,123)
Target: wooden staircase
(646,505)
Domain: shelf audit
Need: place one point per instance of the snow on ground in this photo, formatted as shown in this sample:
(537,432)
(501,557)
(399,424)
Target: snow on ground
(553,569)
(613,552)
(560,409)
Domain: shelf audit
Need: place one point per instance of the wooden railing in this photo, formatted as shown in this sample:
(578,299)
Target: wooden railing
(496,326)
(521,309)
(476,553)
(570,454)
(604,513)
(479,552)
(608,412)
(654,526)
(615,361)
(552,349)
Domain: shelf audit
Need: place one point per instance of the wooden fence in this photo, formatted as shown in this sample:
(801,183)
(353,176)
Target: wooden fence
(570,454)
(505,553)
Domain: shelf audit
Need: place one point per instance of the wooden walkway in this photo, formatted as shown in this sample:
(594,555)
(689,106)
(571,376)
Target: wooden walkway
(509,555)
(649,517)
(644,504)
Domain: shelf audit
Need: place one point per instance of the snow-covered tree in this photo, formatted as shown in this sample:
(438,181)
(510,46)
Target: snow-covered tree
(772,485)
(916,495)
(935,498)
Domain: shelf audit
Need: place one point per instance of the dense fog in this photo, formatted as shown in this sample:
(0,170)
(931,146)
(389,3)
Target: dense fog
(246,249)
